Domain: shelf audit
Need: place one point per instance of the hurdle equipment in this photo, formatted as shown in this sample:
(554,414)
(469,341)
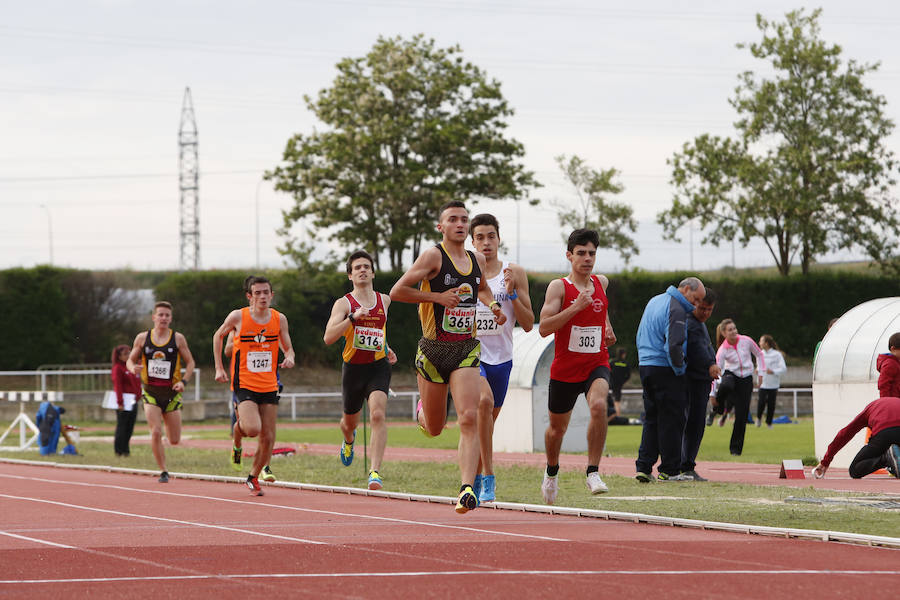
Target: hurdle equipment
(23,420)
(791,469)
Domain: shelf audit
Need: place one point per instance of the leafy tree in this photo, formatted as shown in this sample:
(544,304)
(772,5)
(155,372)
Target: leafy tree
(808,171)
(408,127)
(594,209)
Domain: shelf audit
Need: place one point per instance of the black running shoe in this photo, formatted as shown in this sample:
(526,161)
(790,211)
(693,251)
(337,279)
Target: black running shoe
(164,477)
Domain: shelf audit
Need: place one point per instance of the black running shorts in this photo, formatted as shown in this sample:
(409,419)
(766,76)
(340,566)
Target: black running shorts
(563,394)
(358,381)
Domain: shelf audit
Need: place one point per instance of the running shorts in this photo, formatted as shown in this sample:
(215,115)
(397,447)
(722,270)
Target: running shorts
(498,378)
(359,380)
(563,394)
(167,399)
(436,359)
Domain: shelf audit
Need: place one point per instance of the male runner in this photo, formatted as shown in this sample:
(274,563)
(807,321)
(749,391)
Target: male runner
(575,311)
(359,318)
(156,357)
(509,287)
(259,331)
(450,283)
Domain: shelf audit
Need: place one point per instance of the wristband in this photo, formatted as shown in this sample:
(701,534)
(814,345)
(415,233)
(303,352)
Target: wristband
(491,305)
(514,295)
(352,320)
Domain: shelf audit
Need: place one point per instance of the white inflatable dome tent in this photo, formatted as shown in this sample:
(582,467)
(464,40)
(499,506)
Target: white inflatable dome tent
(523,420)
(844,375)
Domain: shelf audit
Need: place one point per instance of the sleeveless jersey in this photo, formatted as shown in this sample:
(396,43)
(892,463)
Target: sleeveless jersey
(161,362)
(451,324)
(496,340)
(255,356)
(580,344)
(364,341)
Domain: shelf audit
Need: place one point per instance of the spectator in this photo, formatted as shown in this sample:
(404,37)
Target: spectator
(771,379)
(888,366)
(734,357)
(701,371)
(661,343)
(881,451)
(126,386)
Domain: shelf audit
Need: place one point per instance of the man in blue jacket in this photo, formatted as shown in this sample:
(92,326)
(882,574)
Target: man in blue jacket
(662,345)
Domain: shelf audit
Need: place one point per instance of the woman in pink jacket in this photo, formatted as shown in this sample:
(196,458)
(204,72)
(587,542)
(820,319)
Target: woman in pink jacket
(734,357)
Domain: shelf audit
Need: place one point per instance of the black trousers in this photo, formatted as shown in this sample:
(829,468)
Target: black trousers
(124,428)
(695,425)
(871,457)
(739,400)
(766,402)
(665,408)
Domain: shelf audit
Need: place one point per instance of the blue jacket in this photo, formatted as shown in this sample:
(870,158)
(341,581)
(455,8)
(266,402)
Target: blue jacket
(700,352)
(662,334)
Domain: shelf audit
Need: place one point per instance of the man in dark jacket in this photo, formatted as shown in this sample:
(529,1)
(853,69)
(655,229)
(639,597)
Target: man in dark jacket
(701,370)
(662,345)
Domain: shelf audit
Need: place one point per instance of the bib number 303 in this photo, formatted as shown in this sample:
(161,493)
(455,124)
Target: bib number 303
(586,340)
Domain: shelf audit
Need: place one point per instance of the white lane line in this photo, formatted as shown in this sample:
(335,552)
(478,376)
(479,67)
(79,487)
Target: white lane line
(37,541)
(293,508)
(164,519)
(815,572)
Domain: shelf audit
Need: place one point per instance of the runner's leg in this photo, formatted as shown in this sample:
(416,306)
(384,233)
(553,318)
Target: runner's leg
(268,414)
(154,421)
(434,405)
(486,418)
(464,387)
(377,410)
(596,433)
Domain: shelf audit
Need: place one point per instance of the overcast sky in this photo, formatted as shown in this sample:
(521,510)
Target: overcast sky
(91,96)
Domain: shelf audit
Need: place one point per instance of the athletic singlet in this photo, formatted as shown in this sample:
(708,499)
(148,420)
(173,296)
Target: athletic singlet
(451,324)
(161,362)
(364,340)
(496,340)
(580,344)
(255,356)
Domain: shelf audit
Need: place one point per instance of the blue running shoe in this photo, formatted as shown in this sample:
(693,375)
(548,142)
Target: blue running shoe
(488,485)
(347,452)
(476,487)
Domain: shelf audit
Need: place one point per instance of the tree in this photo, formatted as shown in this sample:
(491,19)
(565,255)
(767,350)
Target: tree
(594,210)
(409,127)
(808,171)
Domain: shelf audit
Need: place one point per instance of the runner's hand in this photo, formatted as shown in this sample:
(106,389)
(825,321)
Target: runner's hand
(179,386)
(509,280)
(137,370)
(449,298)
(391,356)
(583,300)
(819,471)
(287,363)
(610,337)
(360,313)
(221,375)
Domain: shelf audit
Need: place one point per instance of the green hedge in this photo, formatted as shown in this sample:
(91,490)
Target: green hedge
(52,315)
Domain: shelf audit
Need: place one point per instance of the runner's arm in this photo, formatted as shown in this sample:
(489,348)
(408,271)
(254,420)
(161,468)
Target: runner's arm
(425,267)
(181,343)
(522,304)
(338,322)
(284,341)
(230,325)
(552,318)
(134,363)
(486,295)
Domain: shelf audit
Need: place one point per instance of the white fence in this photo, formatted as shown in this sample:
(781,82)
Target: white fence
(794,391)
(44,375)
(294,396)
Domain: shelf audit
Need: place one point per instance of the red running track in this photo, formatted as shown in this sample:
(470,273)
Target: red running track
(74,533)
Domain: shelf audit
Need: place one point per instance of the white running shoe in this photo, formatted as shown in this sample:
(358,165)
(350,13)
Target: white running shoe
(595,484)
(550,488)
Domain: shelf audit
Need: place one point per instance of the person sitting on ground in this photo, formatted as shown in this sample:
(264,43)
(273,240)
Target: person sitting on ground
(883,448)
(888,366)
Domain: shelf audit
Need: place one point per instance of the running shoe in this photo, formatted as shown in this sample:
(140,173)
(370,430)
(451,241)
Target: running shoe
(375,482)
(644,477)
(680,477)
(422,429)
(235,461)
(164,477)
(488,489)
(595,484)
(268,475)
(476,486)
(709,418)
(550,488)
(347,451)
(466,501)
(694,475)
(893,456)
(253,484)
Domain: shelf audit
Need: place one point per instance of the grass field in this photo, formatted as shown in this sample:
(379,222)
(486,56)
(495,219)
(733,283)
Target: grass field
(735,503)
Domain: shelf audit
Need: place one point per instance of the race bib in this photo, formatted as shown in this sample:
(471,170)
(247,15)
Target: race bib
(586,340)
(459,320)
(159,369)
(259,362)
(486,323)
(368,338)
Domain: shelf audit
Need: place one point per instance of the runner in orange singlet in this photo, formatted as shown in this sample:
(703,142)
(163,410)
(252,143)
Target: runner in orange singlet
(259,330)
